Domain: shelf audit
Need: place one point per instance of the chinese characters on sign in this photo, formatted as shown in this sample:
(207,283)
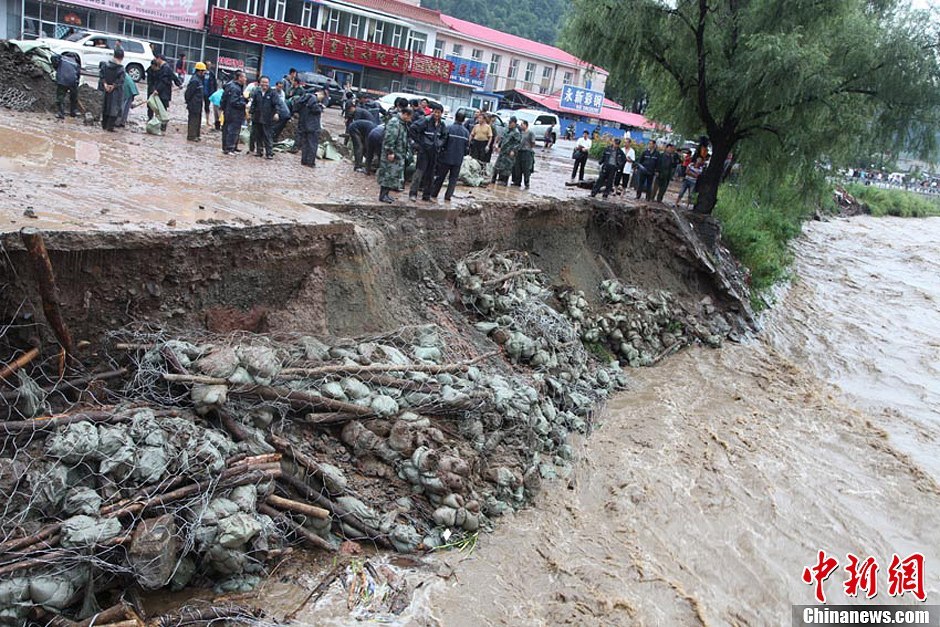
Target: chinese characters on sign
(365,53)
(581,100)
(237,25)
(431,68)
(185,13)
(903,575)
(264,31)
(468,72)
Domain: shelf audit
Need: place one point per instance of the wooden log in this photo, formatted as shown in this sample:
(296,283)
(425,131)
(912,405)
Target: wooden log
(302,399)
(510,275)
(36,538)
(372,368)
(9,369)
(72,383)
(48,290)
(303,460)
(97,416)
(239,433)
(301,531)
(332,418)
(297,507)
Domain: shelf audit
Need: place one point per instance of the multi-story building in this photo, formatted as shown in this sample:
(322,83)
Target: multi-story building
(511,62)
(374,45)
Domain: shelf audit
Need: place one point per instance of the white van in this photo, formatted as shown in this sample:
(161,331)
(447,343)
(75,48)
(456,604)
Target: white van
(539,121)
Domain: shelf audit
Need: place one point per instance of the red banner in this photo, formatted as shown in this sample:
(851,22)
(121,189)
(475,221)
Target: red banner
(431,68)
(365,53)
(260,30)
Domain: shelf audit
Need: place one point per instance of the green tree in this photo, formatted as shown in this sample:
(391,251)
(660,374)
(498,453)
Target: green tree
(784,82)
(538,20)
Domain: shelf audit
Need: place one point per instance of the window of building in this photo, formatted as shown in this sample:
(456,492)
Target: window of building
(547,75)
(306,15)
(332,24)
(376,31)
(398,33)
(513,68)
(280,8)
(353,29)
(417,42)
(529,72)
(458,50)
(567,79)
(477,54)
(494,64)
(439,49)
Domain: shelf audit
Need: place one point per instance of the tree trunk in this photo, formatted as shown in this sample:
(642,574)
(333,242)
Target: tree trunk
(710,178)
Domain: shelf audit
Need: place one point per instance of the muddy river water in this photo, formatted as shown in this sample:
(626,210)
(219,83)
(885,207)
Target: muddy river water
(714,481)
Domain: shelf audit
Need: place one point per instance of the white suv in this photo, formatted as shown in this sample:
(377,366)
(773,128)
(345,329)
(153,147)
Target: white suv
(92,48)
(539,121)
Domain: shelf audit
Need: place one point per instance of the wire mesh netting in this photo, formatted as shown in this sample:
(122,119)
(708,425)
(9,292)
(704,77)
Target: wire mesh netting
(199,458)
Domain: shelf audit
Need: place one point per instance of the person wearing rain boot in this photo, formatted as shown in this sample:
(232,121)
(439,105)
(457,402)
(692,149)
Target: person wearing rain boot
(195,101)
(111,82)
(392,159)
(67,77)
(508,147)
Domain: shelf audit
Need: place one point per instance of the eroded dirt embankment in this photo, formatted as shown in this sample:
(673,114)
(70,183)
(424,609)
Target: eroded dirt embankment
(245,419)
(365,272)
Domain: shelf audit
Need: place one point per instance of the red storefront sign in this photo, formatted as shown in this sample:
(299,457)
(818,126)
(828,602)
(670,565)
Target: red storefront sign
(260,30)
(365,53)
(237,25)
(431,68)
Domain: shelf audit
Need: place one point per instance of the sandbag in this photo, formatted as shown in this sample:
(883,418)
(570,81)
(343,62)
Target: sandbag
(156,105)
(154,125)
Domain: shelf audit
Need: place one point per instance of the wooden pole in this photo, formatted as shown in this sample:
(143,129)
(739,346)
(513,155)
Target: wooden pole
(48,290)
(18,363)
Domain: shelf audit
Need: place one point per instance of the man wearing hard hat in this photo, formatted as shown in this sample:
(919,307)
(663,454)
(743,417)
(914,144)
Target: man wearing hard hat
(195,98)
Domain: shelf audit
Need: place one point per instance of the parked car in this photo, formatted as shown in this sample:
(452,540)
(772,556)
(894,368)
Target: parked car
(312,80)
(388,100)
(539,121)
(90,49)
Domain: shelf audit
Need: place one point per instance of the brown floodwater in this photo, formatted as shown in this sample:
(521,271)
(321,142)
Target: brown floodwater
(710,485)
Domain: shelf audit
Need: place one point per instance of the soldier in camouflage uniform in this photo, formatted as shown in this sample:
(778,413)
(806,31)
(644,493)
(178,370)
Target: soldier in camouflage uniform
(508,148)
(394,153)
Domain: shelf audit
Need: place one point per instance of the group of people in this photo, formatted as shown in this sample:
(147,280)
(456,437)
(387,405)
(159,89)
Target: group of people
(414,134)
(649,175)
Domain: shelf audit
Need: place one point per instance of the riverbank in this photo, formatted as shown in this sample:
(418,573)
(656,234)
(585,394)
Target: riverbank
(712,483)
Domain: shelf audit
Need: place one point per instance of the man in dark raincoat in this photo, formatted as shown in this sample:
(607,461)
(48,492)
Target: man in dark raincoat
(310,107)
(394,153)
(508,146)
(429,134)
(111,74)
(233,112)
(264,107)
(195,100)
(67,77)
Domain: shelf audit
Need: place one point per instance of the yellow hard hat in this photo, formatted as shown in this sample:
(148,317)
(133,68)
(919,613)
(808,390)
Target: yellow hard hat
(200,66)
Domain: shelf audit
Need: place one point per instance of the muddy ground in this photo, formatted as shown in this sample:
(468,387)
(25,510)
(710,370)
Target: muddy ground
(169,184)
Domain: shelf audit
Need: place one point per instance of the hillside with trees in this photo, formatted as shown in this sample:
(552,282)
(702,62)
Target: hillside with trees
(538,20)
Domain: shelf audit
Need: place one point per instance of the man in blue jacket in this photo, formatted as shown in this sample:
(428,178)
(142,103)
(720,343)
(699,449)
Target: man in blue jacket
(455,148)
(233,110)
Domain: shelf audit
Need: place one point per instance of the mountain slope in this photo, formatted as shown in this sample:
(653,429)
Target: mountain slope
(538,20)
